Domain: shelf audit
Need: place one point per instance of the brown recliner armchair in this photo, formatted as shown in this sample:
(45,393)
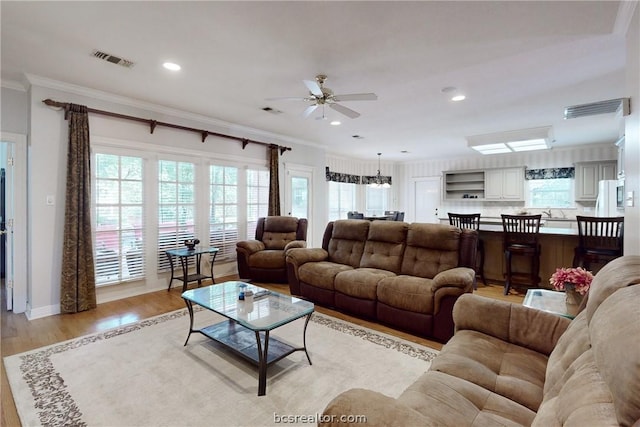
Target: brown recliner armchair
(263,259)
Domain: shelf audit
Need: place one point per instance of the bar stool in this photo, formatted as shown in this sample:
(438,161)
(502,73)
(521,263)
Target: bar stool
(521,239)
(471,221)
(600,239)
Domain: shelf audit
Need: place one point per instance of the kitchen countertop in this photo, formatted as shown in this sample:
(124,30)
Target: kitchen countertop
(543,230)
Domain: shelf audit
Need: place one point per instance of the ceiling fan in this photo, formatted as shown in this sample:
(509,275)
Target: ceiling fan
(319,95)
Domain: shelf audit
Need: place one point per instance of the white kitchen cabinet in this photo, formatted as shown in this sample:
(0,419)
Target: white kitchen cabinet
(588,174)
(504,184)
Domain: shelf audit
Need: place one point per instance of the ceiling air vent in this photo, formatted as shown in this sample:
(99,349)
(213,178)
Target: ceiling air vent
(113,59)
(602,107)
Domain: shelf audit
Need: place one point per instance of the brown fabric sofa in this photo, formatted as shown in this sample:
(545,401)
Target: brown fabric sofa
(515,366)
(263,259)
(405,275)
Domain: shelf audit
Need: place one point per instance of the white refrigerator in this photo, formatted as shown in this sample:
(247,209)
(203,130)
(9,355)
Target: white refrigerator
(606,203)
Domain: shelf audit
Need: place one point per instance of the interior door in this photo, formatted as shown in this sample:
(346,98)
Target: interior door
(426,199)
(299,195)
(14,161)
(6,223)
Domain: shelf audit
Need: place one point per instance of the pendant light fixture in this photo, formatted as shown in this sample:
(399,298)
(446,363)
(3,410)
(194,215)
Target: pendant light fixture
(378,183)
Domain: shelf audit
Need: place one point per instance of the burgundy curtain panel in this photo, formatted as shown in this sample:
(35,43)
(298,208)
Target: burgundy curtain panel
(78,282)
(274,181)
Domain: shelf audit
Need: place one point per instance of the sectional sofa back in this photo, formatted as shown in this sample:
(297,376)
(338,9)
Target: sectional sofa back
(344,240)
(431,248)
(593,374)
(385,245)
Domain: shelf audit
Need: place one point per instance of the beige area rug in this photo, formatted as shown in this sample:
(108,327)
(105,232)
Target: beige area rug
(142,375)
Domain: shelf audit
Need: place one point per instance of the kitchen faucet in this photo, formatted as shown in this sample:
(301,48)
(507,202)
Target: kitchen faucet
(547,213)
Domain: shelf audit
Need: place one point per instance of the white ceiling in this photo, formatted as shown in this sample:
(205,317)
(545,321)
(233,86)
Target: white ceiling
(519,63)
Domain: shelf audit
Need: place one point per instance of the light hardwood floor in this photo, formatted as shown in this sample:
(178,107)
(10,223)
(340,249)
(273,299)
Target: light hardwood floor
(20,334)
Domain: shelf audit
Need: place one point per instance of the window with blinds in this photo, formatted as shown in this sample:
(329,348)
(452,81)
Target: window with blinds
(223,210)
(118,204)
(342,199)
(257,199)
(176,207)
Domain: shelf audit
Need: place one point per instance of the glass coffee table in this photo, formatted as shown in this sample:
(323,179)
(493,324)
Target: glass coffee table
(550,301)
(246,330)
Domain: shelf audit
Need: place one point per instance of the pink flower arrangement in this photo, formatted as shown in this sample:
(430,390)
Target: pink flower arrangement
(577,279)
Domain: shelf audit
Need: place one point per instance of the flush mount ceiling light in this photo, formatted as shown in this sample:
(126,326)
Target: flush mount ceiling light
(171,66)
(511,141)
(379,182)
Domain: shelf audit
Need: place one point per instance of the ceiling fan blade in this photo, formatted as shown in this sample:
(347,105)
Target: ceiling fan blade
(344,110)
(356,97)
(287,98)
(314,87)
(310,109)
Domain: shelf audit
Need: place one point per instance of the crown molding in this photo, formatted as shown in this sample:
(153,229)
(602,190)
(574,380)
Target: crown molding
(219,125)
(13,84)
(624,16)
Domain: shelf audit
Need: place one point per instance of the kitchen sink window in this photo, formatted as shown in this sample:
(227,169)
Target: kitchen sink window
(550,188)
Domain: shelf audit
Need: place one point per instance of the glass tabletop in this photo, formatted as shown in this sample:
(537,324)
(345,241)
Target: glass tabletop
(550,301)
(190,252)
(264,312)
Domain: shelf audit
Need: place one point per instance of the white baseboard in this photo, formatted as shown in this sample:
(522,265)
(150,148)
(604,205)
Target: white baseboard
(37,313)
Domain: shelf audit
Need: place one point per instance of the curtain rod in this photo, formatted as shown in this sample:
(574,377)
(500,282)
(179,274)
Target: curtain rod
(153,123)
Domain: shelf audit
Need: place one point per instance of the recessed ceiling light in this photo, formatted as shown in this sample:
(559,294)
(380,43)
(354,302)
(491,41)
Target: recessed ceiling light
(171,66)
(458,98)
(336,123)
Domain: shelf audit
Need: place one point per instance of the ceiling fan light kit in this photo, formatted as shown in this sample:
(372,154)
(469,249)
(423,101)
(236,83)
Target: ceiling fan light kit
(319,95)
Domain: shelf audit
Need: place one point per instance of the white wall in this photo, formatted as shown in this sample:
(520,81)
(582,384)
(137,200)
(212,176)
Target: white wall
(14,110)
(632,138)
(48,147)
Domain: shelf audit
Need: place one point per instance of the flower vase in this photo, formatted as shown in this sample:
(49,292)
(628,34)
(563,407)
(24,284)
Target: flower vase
(572,301)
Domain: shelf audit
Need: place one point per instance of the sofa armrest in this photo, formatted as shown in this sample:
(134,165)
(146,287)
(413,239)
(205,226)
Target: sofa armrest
(250,246)
(300,256)
(458,277)
(510,322)
(349,407)
(295,244)
(296,257)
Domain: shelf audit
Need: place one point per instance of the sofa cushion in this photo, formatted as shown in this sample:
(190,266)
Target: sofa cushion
(385,245)
(267,259)
(361,282)
(347,241)
(509,370)
(431,248)
(407,293)
(321,274)
(450,401)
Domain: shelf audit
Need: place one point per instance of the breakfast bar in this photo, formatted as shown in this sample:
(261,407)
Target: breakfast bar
(557,249)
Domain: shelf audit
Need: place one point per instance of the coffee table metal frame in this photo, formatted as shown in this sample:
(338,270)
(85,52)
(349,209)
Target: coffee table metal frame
(247,335)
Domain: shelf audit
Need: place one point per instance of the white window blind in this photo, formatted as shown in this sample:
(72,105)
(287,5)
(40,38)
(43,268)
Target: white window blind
(176,207)
(118,205)
(223,210)
(257,199)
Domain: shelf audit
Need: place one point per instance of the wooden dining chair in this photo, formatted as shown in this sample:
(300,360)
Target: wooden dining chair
(600,239)
(471,221)
(521,239)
